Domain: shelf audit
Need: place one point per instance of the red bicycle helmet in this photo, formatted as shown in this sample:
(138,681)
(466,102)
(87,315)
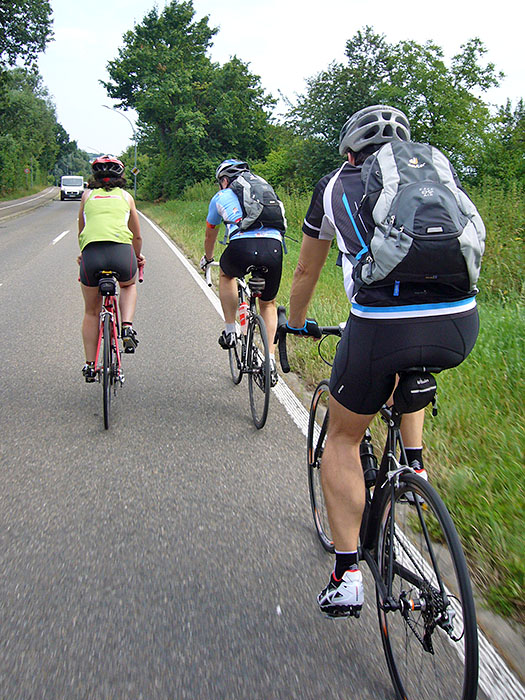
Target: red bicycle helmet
(108,165)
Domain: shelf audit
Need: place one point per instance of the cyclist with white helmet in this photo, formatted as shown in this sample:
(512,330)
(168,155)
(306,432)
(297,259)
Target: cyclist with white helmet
(388,330)
(257,245)
(109,239)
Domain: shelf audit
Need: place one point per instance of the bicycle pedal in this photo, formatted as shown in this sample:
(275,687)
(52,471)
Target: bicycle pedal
(338,612)
(129,350)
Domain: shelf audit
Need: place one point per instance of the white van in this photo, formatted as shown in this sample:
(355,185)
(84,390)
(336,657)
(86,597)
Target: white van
(71,187)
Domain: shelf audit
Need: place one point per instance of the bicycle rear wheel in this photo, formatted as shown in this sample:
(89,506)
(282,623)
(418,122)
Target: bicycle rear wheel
(317,429)
(258,367)
(430,640)
(107,370)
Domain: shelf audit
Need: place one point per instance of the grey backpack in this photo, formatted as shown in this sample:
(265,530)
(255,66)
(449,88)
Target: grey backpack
(426,229)
(260,205)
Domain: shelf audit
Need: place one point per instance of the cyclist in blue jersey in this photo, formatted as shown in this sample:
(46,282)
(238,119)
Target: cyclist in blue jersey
(258,245)
(388,330)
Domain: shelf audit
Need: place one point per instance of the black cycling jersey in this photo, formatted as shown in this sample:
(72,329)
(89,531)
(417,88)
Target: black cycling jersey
(336,210)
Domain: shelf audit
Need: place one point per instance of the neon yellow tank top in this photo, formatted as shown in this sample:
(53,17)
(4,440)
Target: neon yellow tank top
(106,215)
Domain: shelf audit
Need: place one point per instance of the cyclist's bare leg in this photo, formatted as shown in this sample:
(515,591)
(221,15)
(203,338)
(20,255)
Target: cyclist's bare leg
(128,300)
(412,428)
(228,297)
(90,321)
(268,311)
(342,475)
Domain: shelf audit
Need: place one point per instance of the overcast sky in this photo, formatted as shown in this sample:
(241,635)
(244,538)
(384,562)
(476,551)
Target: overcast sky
(284,41)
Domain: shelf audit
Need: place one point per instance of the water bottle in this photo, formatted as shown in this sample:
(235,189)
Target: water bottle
(368,460)
(243,316)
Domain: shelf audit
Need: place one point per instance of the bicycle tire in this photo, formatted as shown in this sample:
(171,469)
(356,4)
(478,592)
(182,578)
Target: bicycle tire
(317,429)
(430,583)
(258,368)
(106,370)
(235,356)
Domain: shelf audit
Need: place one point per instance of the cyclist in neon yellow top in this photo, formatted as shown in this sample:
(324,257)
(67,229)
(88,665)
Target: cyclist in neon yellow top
(109,239)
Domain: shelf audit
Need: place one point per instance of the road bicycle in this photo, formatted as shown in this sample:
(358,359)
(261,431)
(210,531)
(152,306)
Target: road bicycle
(424,599)
(108,365)
(251,353)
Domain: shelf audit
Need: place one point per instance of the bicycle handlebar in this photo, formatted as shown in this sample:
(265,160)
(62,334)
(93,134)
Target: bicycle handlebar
(283,330)
(207,272)
(281,339)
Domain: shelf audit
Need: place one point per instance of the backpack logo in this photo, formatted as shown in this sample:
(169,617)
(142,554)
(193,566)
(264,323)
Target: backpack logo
(414,163)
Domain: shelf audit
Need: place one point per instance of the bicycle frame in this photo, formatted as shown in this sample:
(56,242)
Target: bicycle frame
(390,469)
(109,307)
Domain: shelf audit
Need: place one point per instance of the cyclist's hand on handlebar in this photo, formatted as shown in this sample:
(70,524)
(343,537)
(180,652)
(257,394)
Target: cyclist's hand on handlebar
(205,262)
(310,329)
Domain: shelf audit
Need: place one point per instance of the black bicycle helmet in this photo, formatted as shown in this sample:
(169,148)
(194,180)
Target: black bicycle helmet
(377,124)
(230,168)
(107,165)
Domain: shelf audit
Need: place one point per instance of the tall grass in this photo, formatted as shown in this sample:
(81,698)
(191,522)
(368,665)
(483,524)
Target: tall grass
(475,446)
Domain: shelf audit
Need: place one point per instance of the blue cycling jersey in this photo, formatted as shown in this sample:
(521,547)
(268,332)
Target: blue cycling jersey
(225,206)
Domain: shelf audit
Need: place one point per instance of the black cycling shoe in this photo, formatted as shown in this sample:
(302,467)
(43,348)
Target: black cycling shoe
(89,372)
(227,340)
(129,339)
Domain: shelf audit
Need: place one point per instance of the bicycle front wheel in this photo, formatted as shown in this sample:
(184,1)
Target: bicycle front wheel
(258,368)
(236,357)
(107,378)
(428,621)
(317,429)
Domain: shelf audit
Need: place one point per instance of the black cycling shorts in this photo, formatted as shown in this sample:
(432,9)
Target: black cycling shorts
(243,252)
(373,351)
(104,255)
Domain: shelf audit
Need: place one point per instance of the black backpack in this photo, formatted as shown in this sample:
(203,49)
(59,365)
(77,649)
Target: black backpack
(260,205)
(426,229)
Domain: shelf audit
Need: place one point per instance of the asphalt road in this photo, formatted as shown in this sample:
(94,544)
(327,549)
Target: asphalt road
(172,556)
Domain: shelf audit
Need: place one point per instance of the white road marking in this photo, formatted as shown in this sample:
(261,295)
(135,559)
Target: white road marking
(58,238)
(496,679)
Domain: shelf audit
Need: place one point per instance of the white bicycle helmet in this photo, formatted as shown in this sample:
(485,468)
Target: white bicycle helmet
(376,124)
(230,168)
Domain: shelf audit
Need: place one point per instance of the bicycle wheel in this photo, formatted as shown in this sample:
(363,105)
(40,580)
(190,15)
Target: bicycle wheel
(236,355)
(430,637)
(107,372)
(317,429)
(258,367)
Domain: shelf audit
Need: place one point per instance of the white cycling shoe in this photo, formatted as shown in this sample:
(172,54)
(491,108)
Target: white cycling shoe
(343,598)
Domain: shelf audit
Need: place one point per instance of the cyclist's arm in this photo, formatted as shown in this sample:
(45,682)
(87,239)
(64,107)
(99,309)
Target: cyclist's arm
(312,257)
(81,222)
(209,240)
(134,227)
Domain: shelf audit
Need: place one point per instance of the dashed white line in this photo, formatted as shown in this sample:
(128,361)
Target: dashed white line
(58,238)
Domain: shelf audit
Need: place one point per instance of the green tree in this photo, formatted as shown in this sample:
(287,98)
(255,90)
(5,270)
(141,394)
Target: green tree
(191,111)
(502,156)
(28,129)
(25,30)
(440,100)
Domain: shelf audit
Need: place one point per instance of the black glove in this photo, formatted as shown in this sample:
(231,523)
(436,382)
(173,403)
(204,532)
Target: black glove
(310,328)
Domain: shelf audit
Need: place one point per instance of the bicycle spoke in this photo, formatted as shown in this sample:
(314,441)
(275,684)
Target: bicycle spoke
(428,627)
(258,368)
